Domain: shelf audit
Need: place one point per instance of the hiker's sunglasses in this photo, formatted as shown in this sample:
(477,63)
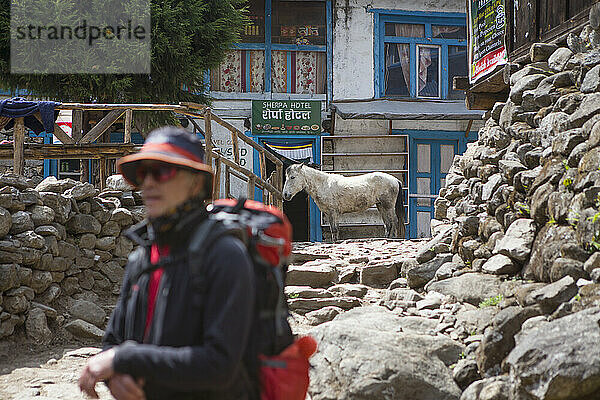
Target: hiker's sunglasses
(159,172)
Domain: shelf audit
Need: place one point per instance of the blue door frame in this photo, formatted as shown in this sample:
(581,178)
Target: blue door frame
(315,231)
(435,139)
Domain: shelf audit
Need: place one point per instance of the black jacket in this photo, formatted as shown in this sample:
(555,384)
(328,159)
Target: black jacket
(199,330)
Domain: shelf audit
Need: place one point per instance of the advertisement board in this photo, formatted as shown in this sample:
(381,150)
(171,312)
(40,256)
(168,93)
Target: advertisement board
(487,46)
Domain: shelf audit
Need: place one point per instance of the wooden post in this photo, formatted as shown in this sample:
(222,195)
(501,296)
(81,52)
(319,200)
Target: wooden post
(217,182)
(77,126)
(103,173)
(19,146)
(251,183)
(208,134)
(227,182)
(128,120)
(277,182)
(263,165)
(84,165)
(236,151)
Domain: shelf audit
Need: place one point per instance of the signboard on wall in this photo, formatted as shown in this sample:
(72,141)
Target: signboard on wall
(286,117)
(487,47)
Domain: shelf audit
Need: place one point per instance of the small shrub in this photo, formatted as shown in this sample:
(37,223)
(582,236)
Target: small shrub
(492,301)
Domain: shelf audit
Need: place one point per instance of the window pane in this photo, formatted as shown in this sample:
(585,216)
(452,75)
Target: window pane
(254,32)
(298,22)
(404,30)
(424,187)
(449,32)
(446,157)
(429,69)
(241,71)
(423,224)
(423,158)
(397,69)
(457,66)
(298,72)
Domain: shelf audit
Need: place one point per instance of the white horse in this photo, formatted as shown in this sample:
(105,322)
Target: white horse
(337,194)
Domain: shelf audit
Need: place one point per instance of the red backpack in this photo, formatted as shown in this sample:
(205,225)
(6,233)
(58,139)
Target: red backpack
(282,362)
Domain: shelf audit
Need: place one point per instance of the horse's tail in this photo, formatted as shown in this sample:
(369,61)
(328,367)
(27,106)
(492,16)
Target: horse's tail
(400,211)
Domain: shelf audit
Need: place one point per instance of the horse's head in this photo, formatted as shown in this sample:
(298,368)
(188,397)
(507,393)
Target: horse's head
(294,181)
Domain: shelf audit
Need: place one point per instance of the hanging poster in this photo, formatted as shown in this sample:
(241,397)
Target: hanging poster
(286,117)
(487,47)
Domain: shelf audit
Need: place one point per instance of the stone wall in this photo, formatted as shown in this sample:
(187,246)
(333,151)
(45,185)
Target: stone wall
(62,253)
(522,206)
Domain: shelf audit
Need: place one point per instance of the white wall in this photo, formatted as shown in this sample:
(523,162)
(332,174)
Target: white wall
(353,65)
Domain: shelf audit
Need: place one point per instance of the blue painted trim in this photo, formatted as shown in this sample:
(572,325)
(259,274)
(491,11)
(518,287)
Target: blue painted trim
(329,72)
(206,77)
(444,71)
(427,14)
(288,78)
(293,47)
(378,52)
(315,230)
(382,16)
(248,87)
(413,71)
(268,56)
(433,41)
(248,46)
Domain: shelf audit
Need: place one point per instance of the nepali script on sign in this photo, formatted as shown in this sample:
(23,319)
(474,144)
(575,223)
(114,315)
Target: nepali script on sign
(286,117)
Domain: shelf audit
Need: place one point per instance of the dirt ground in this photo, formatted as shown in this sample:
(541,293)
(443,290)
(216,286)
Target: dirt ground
(39,372)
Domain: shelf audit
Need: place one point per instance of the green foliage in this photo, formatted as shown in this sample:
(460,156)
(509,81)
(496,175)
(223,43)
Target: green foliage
(577,297)
(566,165)
(294,295)
(552,221)
(492,301)
(188,38)
(567,182)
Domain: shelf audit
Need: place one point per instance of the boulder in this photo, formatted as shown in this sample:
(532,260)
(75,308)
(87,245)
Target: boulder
(322,315)
(591,81)
(494,388)
(362,355)
(559,360)
(36,326)
(465,372)
(313,273)
(306,292)
(8,277)
(499,341)
(305,305)
(541,51)
(589,107)
(420,274)
(5,222)
(517,240)
(82,223)
(21,222)
(42,215)
(558,60)
(84,330)
(379,273)
(349,289)
(500,265)
(523,84)
(553,295)
(51,184)
(118,183)
(40,281)
(88,312)
(565,142)
(82,191)
(471,288)
(546,249)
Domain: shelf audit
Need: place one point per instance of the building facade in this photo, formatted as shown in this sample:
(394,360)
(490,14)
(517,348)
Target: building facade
(382,71)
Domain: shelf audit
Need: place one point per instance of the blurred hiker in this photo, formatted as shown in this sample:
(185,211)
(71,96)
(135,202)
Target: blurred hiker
(170,336)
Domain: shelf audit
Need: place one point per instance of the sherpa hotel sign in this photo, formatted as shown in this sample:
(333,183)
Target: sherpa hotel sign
(286,117)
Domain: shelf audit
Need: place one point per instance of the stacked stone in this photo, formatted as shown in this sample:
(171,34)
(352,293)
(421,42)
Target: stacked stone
(62,249)
(521,216)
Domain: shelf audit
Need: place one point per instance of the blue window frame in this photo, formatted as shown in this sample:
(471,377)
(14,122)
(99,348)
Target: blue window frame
(268,64)
(418,53)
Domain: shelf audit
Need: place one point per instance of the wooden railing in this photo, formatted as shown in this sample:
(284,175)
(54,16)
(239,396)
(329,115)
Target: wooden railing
(80,145)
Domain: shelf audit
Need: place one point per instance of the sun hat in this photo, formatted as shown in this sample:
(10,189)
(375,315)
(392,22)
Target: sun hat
(169,145)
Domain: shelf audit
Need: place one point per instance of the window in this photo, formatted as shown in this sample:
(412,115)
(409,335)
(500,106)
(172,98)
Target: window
(283,50)
(418,54)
